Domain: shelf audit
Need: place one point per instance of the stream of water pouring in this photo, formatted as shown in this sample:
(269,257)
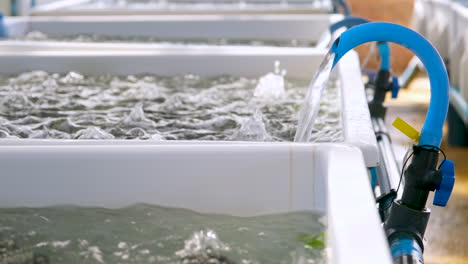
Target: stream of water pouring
(310,107)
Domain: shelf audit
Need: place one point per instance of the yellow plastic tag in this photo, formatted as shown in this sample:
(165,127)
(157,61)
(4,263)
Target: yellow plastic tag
(406,129)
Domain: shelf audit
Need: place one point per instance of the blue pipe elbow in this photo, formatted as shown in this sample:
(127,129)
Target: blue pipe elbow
(431,133)
(352,21)
(343,4)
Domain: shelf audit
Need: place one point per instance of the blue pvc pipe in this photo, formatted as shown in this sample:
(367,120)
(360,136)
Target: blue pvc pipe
(3,29)
(373,173)
(14,7)
(348,22)
(384,51)
(431,133)
(352,21)
(343,4)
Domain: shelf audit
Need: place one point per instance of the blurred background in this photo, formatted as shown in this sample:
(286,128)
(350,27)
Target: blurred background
(395,11)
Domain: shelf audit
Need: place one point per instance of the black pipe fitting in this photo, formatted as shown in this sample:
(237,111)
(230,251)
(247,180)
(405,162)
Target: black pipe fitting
(421,177)
(410,215)
(404,219)
(382,86)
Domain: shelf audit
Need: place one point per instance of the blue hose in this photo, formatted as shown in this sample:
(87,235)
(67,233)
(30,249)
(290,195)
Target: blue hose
(431,133)
(352,21)
(14,7)
(348,22)
(384,51)
(3,29)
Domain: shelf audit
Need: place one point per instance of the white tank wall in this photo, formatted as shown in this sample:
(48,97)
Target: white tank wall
(269,27)
(86,7)
(242,179)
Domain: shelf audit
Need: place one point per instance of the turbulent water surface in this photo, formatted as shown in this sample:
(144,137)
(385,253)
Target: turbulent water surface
(40,36)
(151,234)
(73,106)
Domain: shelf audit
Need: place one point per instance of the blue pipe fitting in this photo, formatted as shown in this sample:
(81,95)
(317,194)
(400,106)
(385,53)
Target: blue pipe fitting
(445,188)
(431,133)
(3,30)
(343,4)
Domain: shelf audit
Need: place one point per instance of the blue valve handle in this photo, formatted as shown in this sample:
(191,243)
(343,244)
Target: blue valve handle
(395,87)
(431,133)
(445,188)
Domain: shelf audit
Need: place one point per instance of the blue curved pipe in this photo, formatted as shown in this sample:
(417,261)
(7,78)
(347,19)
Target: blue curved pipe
(343,4)
(431,133)
(352,21)
(348,22)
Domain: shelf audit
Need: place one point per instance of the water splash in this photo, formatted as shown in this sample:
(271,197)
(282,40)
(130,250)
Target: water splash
(271,85)
(253,129)
(310,107)
(137,118)
(93,133)
(204,247)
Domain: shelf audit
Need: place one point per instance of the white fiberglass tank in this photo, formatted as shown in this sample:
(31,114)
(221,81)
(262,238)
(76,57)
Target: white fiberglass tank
(226,177)
(151,32)
(164,7)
